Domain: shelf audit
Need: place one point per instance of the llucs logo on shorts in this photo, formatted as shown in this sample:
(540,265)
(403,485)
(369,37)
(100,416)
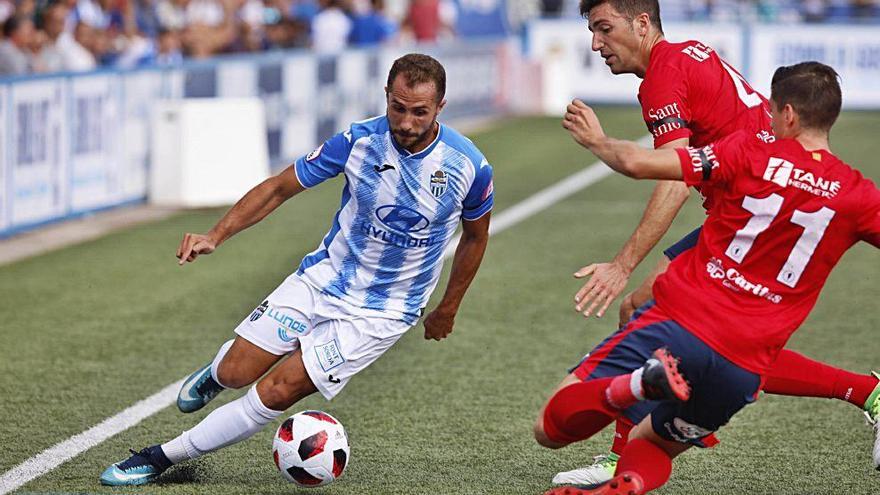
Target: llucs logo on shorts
(287,322)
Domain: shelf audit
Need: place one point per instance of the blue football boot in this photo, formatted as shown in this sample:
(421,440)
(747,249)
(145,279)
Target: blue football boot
(199,389)
(141,468)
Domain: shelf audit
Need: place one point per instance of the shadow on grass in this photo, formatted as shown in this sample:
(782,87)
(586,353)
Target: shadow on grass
(180,475)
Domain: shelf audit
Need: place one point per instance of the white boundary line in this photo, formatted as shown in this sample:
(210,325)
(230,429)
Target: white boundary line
(546,198)
(60,453)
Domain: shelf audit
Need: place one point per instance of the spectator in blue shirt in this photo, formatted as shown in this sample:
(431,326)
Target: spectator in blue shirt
(371,28)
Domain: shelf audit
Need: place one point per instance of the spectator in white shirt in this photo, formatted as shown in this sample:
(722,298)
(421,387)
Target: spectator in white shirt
(330,28)
(15,55)
(62,52)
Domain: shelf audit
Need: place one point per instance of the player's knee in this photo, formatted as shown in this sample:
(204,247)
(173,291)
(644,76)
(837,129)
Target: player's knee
(280,392)
(541,435)
(231,374)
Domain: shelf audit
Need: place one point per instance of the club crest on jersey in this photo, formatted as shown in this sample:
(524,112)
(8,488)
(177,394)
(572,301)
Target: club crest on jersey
(438,183)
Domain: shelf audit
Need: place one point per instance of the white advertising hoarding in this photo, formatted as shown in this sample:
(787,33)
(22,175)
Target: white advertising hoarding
(853,51)
(354,86)
(38,157)
(236,79)
(571,69)
(140,92)
(300,94)
(4,151)
(95,158)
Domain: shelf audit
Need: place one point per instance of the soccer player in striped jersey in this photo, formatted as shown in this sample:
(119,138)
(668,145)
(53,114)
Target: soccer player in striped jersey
(409,182)
(689,96)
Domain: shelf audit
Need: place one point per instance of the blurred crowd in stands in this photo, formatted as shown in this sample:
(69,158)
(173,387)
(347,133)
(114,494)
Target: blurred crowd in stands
(79,35)
(783,11)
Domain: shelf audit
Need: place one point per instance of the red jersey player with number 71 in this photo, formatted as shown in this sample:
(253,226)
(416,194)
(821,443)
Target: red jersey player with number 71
(785,209)
(689,96)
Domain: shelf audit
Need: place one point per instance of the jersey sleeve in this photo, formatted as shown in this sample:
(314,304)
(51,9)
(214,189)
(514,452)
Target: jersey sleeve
(665,105)
(869,223)
(326,162)
(715,164)
(481,196)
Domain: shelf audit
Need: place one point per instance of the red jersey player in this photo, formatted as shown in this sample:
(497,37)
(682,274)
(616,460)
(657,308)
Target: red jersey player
(785,209)
(689,96)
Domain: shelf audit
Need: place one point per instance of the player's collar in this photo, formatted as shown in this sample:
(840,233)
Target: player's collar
(425,152)
(661,44)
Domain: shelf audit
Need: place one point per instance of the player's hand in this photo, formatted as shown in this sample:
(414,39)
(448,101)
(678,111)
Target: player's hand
(581,122)
(438,324)
(607,281)
(627,308)
(193,245)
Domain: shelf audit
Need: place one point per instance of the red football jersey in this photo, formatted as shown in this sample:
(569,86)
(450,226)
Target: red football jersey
(783,217)
(690,92)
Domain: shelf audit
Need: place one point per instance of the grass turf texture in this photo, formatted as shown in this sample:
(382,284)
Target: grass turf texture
(91,329)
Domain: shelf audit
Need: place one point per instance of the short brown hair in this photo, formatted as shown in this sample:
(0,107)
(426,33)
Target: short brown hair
(813,91)
(419,69)
(630,9)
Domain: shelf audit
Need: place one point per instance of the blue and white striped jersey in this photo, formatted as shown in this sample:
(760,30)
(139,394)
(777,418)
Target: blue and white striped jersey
(398,212)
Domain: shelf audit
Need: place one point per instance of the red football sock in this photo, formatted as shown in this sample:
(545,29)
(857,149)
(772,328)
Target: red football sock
(620,393)
(797,375)
(579,411)
(622,427)
(647,460)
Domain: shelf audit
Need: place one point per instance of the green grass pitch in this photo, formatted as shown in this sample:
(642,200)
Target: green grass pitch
(91,329)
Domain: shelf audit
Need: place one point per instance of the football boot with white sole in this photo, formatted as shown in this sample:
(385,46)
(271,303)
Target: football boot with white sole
(199,389)
(601,470)
(141,468)
(628,483)
(872,413)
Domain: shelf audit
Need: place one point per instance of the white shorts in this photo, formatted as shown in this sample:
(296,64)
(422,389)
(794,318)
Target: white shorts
(337,340)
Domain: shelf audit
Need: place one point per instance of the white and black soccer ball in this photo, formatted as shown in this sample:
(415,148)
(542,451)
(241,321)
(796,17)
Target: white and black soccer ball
(311,449)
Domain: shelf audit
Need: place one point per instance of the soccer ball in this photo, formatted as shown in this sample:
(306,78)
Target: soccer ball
(311,449)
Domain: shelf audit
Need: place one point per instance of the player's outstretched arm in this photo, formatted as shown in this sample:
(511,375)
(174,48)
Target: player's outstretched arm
(607,280)
(250,209)
(625,157)
(467,259)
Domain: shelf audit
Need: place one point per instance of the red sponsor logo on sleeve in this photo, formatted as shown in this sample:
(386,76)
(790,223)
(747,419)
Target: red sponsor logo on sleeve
(665,119)
(703,160)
